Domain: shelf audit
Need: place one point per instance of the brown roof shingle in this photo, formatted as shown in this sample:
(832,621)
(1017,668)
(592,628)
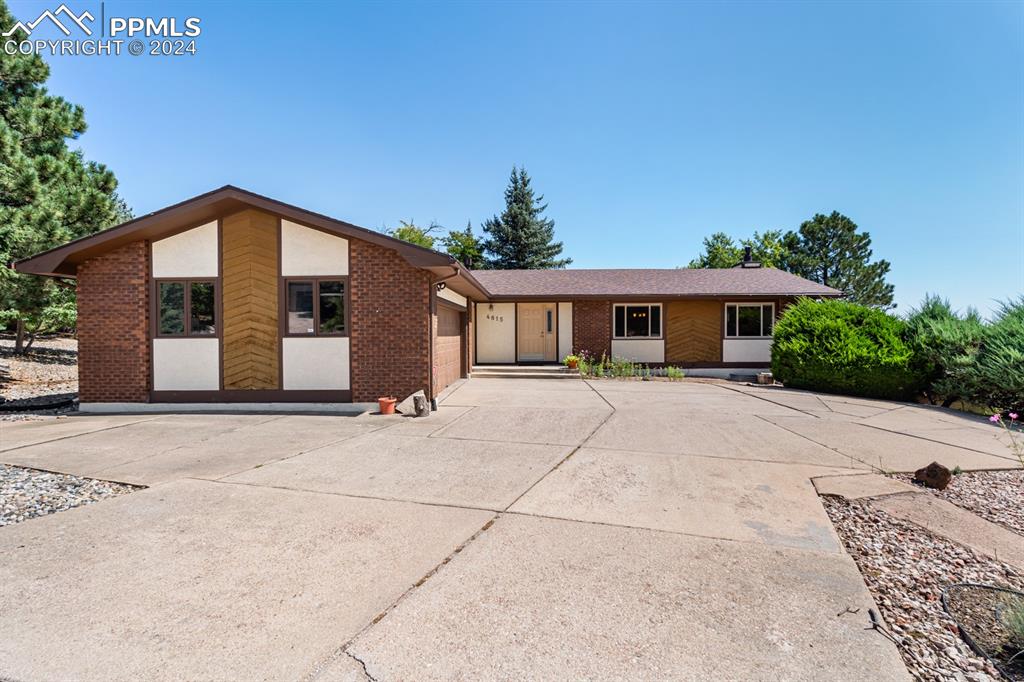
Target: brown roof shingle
(646,283)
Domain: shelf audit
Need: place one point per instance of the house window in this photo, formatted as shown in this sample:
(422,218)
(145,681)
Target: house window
(634,321)
(316,307)
(186,308)
(750,320)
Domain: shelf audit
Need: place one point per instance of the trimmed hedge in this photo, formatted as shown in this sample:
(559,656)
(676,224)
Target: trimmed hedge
(840,347)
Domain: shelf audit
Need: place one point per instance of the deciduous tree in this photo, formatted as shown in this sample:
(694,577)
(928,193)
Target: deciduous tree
(414,234)
(465,247)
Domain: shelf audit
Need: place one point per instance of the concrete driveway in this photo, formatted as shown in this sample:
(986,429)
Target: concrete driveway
(529,529)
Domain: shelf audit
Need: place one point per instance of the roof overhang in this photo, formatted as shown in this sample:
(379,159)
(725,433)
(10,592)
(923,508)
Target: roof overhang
(63,261)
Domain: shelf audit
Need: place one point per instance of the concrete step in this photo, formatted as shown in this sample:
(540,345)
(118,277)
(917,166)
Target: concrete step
(524,372)
(532,369)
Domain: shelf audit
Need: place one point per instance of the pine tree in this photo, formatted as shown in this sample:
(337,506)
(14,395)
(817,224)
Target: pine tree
(830,251)
(49,194)
(465,247)
(521,238)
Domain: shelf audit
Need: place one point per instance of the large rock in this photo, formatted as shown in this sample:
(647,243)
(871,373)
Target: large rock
(408,406)
(934,476)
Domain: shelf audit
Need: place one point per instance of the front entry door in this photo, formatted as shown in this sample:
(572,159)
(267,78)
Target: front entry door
(537,332)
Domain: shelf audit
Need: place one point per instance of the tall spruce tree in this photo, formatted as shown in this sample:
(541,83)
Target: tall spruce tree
(521,238)
(829,250)
(49,194)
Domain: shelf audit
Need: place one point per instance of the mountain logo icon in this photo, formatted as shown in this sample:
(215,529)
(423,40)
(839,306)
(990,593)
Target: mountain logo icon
(78,20)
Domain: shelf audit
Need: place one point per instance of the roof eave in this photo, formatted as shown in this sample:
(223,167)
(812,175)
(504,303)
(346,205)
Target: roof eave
(61,261)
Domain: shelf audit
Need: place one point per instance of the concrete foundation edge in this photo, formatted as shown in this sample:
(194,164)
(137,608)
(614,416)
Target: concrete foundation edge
(146,408)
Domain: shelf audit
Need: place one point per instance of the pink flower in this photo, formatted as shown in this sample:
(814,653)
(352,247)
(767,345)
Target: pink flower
(1013,415)
(995,419)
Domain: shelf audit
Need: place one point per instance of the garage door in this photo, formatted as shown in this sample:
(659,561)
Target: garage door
(448,348)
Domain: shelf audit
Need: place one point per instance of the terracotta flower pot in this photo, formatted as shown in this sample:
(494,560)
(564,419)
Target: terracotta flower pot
(387,405)
(573,364)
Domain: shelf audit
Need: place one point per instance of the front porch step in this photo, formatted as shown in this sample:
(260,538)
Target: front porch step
(524,372)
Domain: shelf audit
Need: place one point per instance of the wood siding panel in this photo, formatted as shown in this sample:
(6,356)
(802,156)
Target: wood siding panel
(693,331)
(250,286)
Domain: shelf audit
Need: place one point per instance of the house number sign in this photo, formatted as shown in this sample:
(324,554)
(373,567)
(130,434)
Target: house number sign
(496,318)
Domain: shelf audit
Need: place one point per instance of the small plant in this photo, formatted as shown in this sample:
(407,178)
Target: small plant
(674,373)
(957,470)
(1014,621)
(1012,428)
(571,361)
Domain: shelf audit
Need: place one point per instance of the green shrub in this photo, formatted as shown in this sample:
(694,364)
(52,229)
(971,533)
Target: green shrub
(674,373)
(996,376)
(945,347)
(841,347)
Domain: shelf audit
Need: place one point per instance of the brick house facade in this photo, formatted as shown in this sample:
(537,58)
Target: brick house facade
(391,323)
(592,328)
(235,297)
(113,326)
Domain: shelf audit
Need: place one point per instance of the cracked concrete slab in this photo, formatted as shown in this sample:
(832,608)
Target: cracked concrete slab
(959,525)
(885,450)
(552,398)
(775,504)
(424,426)
(923,417)
(18,435)
(859,486)
(237,450)
(550,599)
(704,402)
(797,400)
(344,668)
(564,426)
(262,584)
(669,430)
(466,473)
(90,453)
(854,409)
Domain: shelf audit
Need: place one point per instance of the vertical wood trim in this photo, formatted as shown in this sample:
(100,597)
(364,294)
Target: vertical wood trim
(252,345)
(515,331)
(220,302)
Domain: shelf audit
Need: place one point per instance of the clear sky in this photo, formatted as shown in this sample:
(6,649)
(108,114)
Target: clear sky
(647,126)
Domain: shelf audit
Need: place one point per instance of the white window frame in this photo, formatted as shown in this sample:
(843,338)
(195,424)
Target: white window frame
(746,304)
(661,317)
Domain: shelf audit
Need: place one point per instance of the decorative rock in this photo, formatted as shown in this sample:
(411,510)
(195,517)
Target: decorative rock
(934,476)
(765,378)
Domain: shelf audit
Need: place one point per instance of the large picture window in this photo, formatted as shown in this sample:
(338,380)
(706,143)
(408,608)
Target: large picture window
(316,307)
(637,321)
(186,307)
(749,320)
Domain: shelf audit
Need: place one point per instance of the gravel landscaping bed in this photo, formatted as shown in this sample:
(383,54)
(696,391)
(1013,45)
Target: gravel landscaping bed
(997,496)
(906,568)
(27,493)
(48,374)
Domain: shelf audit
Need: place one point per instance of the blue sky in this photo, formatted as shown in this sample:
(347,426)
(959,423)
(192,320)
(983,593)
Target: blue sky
(647,126)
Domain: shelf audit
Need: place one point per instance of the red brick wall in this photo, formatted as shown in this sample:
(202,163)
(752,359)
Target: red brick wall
(592,327)
(391,324)
(113,326)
